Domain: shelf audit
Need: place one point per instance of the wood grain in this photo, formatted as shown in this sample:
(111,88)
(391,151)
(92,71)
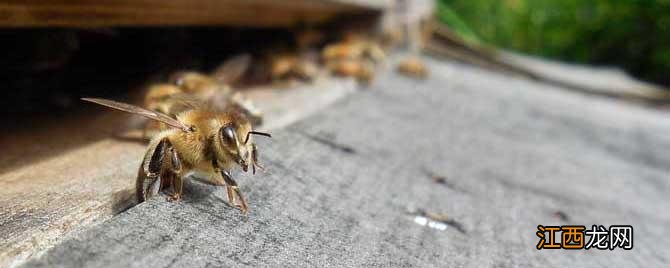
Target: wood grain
(260,13)
(66,173)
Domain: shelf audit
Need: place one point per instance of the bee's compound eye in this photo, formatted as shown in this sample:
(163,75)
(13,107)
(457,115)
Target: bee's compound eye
(228,135)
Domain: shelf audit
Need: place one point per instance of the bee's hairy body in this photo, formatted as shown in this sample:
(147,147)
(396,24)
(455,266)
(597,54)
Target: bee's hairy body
(197,149)
(204,151)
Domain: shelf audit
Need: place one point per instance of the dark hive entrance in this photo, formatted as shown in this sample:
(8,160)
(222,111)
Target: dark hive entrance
(45,71)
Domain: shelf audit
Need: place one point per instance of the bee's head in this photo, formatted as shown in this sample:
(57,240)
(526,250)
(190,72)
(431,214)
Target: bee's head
(240,150)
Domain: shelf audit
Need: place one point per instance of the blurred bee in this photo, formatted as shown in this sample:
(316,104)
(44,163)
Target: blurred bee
(391,37)
(159,97)
(362,70)
(354,56)
(413,67)
(189,87)
(199,141)
(218,81)
(286,66)
(354,46)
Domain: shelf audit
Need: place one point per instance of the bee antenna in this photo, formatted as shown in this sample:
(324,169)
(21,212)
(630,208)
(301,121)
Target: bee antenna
(256,133)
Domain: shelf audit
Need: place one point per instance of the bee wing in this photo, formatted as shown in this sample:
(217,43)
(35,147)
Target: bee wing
(232,69)
(140,111)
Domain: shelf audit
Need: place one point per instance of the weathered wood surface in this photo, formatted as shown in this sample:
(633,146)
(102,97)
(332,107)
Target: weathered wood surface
(263,13)
(341,187)
(603,81)
(60,174)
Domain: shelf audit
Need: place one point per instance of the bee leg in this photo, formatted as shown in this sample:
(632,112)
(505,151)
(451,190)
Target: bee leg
(254,158)
(178,188)
(233,192)
(146,186)
(232,189)
(176,178)
(150,171)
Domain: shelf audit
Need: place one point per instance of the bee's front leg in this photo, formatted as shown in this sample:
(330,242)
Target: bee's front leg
(234,191)
(254,159)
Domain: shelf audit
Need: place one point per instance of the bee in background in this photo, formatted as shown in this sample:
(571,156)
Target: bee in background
(391,37)
(299,62)
(307,41)
(363,71)
(200,141)
(354,46)
(288,66)
(354,56)
(189,87)
(157,97)
(219,81)
(413,67)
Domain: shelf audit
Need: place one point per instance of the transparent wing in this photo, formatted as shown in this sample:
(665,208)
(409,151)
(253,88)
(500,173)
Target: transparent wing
(232,69)
(140,111)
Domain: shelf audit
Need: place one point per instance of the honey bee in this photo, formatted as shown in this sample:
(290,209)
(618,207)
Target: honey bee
(354,46)
(354,56)
(413,67)
(200,141)
(158,96)
(285,66)
(391,37)
(188,87)
(220,79)
(341,51)
(362,70)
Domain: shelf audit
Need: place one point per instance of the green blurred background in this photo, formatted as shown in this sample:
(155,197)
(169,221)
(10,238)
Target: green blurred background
(631,34)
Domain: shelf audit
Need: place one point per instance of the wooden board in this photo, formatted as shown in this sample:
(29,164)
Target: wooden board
(63,173)
(105,13)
